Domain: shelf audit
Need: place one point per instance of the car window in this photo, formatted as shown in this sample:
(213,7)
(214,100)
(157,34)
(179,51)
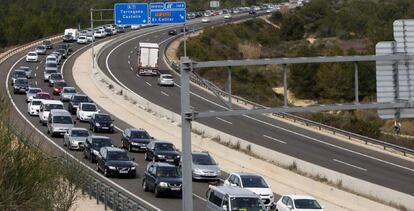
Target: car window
(99,143)
(101,117)
(70,90)
(62,120)
(80,133)
(152,170)
(215,198)
(89,107)
(237,181)
(289,202)
(252,181)
(36,102)
(203,159)
(307,204)
(164,147)
(34,91)
(118,156)
(49,107)
(171,172)
(284,200)
(139,134)
(245,203)
(231,179)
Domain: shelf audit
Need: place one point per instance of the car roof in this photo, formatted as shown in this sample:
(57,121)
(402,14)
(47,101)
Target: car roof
(161,142)
(88,103)
(233,191)
(43,93)
(137,130)
(35,88)
(60,112)
(300,197)
(99,137)
(19,70)
(69,87)
(52,102)
(114,149)
(79,128)
(245,174)
(162,164)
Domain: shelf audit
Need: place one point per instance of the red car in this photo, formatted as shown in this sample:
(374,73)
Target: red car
(58,87)
(43,96)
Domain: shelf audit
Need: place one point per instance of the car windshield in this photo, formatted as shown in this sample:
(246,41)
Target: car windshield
(52,58)
(36,102)
(62,120)
(307,204)
(102,117)
(50,71)
(140,135)
(60,84)
(56,76)
(18,74)
(252,181)
(24,68)
(167,77)
(32,54)
(80,133)
(164,147)
(102,142)
(69,90)
(49,107)
(41,47)
(119,156)
(81,99)
(22,82)
(34,91)
(246,204)
(42,96)
(203,159)
(172,172)
(89,107)
(51,64)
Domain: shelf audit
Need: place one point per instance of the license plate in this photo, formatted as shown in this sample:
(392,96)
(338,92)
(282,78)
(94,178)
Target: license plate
(123,172)
(175,188)
(105,128)
(169,160)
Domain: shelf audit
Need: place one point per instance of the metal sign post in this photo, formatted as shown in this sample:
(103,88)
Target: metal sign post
(101,19)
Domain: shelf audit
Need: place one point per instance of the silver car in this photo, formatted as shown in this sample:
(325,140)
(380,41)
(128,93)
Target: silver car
(47,74)
(31,93)
(75,138)
(165,80)
(27,70)
(67,93)
(59,122)
(51,66)
(204,167)
(41,50)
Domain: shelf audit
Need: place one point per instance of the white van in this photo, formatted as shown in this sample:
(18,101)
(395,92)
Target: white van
(45,107)
(221,198)
(59,122)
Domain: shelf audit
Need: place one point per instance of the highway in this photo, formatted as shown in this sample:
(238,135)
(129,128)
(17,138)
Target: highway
(117,61)
(120,62)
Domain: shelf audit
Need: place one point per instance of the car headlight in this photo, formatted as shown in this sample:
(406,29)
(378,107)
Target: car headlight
(198,171)
(161,156)
(218,171)
(95,152)
(97,124)
(112,167)
(134,143)
(133,168)
(178,156)
(163,184)
(112,124)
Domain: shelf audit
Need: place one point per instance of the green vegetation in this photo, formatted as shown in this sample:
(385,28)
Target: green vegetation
(29,179)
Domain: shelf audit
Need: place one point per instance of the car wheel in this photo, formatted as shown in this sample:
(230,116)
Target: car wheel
(156,192)
(144,186)
(48,131)
(106,173)
(95,129)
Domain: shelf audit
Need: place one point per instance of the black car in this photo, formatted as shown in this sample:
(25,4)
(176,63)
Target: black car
(48,44)
(252,12)
(67,38)
(162,178)
(65,46)
(21,85)
(75,101)
(17,74)
(162,151)
(172,32)
(113,161)
(100,122)
(93,145)
(135,139)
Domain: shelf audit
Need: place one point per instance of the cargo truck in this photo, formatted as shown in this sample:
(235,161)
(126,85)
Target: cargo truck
(148,59)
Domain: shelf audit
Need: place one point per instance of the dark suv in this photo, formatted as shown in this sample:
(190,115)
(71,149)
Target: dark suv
(162,151)
(75,101)
(162,178)
(135,139)
(100,122)
(113,161)
(93,144)
(21,85)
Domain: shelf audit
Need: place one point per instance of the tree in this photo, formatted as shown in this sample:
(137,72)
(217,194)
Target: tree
(293,28)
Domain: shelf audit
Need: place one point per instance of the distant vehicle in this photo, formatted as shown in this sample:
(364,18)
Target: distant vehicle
(252,182)
(148,58)
(65,46)
(52,58)
(21,85)
(67,93)
(204,167)
(51,66)
(47,73)
(207,13)
(57,55)
(90,37)
(120,29)
(31,93)
(205,20)
(48,44)
(41,50)
(227,16)
(75,101)
(162,151)
(58,87)
(115,162)
(165,80)
(63,52)
(75,138)
(135,27)
(32,57)
(222,198)
(27,70)
(101,122)
(59,122)
(297,202)
(45,107)
(135,139)
(70,35)
(17,74)
(82,40)
(172,32)
(252,12)
(86,110)
(108,31)
(55,77)
(42,96)
(93,144)
(33,107)
(99,34)
(162,178)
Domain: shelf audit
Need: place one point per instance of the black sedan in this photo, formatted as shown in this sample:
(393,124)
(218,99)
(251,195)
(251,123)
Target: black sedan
(162,151)
(162,178)
(101,122)
(135,139)
(172,32)
(115,162)
(93,145)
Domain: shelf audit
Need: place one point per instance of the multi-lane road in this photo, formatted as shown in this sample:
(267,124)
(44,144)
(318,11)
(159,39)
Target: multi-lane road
(117,62)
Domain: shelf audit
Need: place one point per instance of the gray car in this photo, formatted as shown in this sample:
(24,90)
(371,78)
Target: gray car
(59,122)
(21,85)
(47,74)
(41,50)
(27,70)
(51,66)
(55,77)
(204,167)
(67,93)
(75,138)
(31,93)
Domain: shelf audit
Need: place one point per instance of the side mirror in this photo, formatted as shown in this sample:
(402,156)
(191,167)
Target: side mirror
(289,206)
(133,159)
(233,185)
(224,207)
(152,137)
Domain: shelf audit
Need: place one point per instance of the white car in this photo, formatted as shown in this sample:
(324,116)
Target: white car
(33,107)
(254,183)
(86,110)
(298,202)
(32,57)
(99,34)
(165,80)
(134,27)
(227,16)
(82,40)
(205,20)
(90,37)
(31,93)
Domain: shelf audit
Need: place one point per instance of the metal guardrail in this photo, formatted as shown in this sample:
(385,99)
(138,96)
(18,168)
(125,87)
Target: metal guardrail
(292,117)
(94,186)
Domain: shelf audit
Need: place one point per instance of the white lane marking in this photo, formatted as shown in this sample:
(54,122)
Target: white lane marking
(148,39)
(129,62)
(35,83)
(223,120)
(274,139)
(354,166)
(129,56)
(138,75)
(35,75)
(41,61)
(37,67)
(132,52)
(165,94)
(148,83)
(136,47)
(64,151)
(131,68)
(199,197)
